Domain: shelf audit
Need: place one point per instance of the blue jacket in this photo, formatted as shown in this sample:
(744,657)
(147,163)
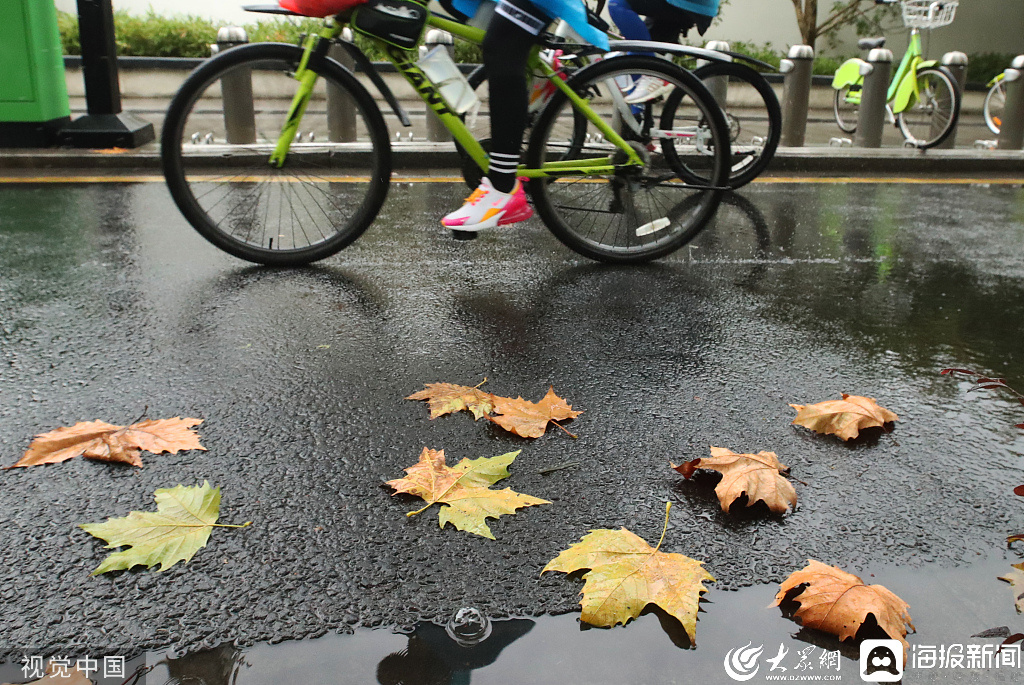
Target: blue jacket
(570,10)
(709,8)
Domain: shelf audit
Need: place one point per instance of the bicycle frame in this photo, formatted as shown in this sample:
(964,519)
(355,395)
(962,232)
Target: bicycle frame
(404,62)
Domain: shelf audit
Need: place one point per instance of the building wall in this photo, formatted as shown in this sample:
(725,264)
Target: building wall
(980,25)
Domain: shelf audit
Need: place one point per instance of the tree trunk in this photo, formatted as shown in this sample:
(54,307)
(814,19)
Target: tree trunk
(807,20)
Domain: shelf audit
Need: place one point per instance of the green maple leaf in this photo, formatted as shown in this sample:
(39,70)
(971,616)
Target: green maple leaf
(465,489)
(180,527)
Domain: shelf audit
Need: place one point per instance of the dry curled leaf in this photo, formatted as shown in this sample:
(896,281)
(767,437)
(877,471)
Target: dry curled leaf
(64,674)
(1016,580)
(626,574)
(844,418)
(447,398)
(838,602)
(464,488)
(107,442)
(758,476)
(530,419)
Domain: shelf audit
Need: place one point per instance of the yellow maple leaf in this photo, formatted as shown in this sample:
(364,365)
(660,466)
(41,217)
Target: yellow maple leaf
(447,398)
(464,488)
(626,574)
(844,418)
(758,476)
(838,602)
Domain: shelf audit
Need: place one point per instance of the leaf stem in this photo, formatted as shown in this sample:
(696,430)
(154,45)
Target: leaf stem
(668,506)
(571,435)
(229,525)
(419,511)
(481,382)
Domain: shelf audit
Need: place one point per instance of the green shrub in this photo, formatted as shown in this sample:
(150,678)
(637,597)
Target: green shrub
(826,66)
(983,66)
(765,53)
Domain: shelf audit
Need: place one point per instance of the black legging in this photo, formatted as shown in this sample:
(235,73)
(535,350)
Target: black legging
(506,48)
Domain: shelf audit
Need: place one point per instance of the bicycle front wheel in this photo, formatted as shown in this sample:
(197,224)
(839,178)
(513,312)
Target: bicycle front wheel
(929,121)
(636,213)
(218,139)
(846,109)
(752,113)
(995,106)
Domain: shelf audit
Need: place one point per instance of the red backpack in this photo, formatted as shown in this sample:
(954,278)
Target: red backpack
(319,8)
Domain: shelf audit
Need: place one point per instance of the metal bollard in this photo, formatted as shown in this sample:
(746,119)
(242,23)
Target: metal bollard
(236,92)
(718,85)
(436,131)
(871,117)
(796,94)
(956,62)
(341,109)
(1011,130)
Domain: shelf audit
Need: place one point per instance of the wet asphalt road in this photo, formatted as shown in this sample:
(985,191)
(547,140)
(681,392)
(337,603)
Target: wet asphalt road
(110,303)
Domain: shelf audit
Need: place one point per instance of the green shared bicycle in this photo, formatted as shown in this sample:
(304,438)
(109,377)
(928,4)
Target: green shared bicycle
(279,155)
(923,99)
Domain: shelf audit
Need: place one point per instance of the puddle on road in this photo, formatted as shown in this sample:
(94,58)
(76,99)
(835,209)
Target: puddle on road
(947,606)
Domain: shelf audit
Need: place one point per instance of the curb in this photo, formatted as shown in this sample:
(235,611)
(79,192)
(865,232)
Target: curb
(423,155)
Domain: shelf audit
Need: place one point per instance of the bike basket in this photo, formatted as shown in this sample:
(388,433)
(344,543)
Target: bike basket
(928,14)
(396,22)
(319,8)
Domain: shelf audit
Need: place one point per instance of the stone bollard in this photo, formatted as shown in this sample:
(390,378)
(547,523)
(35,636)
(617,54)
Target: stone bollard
(436,131)
(1011,130)
(236,91)
(341,110)
(871,116)
(717,85)
(796,94)
(956,62)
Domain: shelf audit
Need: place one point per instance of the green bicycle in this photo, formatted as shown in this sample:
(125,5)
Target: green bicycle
(923,99)
(297,168)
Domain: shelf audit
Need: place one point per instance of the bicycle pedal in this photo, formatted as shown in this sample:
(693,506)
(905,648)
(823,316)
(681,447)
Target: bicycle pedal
(464,235)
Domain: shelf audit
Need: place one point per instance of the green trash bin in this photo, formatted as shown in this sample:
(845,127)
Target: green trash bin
(33,93)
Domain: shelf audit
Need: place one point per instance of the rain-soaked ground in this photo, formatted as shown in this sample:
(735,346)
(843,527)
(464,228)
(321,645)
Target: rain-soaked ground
(110,304)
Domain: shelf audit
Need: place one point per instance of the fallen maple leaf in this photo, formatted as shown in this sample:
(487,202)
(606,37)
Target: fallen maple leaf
(626,574)
(530,419)
(838,602)
(464,488)
(758,476)
(180,527)
(845,418)
(107,442)
(1016,580)
(447,398)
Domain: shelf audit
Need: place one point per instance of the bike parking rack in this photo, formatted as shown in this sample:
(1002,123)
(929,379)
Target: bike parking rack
(797,70)
(871,118)
(1011,131)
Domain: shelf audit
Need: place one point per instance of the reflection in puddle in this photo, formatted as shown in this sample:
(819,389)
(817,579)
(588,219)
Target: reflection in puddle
(948,607)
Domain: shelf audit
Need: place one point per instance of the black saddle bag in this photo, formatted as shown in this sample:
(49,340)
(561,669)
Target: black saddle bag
(396,22)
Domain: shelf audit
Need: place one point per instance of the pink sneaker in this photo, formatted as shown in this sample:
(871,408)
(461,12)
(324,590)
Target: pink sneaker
(487,208)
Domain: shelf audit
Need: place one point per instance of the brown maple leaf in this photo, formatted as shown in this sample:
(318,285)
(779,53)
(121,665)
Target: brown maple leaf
(447,398)
(838,602)
(530,419)
(107,442)
(844,418)
(756,475)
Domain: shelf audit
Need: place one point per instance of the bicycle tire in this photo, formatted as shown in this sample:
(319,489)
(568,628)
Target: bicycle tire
(758,135)
(923,111)
(995,106)
(328,192)
(845,113)
(611,209)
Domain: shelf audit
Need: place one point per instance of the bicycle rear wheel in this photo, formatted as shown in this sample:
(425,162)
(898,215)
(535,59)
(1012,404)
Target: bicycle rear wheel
(634,214)
(217,141)
(931,119)
(754,119)
(995,106)
(846,112)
